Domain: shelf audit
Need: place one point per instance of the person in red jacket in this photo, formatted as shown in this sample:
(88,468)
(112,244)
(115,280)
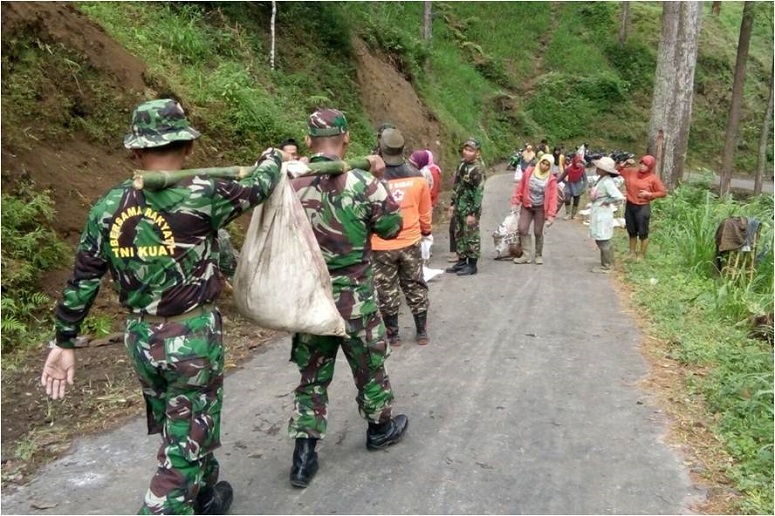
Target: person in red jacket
(537,196)
(575,179)
(643,186)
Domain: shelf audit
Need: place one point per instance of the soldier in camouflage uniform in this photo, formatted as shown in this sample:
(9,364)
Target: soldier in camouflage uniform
(398,261)
(344,211)
(161,249)
(466,208)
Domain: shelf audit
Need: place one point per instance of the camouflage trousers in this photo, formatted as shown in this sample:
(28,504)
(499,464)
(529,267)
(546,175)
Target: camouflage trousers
(400,267)
(366,350)
(180,367)
(467,237)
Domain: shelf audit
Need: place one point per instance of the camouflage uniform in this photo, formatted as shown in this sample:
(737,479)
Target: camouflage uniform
(344,211)
(162,252)
(467,196)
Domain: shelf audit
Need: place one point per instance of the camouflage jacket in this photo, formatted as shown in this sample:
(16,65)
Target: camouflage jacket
(468,189)
(161,247)
(344,211)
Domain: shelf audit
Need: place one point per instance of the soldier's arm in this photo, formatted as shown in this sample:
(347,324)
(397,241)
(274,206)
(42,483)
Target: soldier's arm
(232,198)
(84,283)
(385,214)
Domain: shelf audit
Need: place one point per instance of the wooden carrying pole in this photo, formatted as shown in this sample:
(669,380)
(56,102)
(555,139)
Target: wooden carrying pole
(159,179)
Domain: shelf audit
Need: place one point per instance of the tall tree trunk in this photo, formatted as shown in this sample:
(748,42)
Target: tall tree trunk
(427,20)
(671,105)
(271,28)
(736,106)
(716,8)
(763,140)
(624,26)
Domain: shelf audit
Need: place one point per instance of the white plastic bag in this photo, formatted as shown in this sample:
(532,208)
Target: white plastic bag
(282,282)
(518,174)
(425,247)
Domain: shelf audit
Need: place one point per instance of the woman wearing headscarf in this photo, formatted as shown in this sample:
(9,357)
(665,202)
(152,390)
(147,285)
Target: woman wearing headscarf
(604,195)
(643,186)
(575,179)
(537,196)
(423,161)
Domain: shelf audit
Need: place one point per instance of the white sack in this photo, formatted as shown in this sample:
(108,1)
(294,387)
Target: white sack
(425,247)
(506,235)
(282,282)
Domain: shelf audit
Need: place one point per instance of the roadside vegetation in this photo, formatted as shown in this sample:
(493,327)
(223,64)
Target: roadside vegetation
(507,72)
(715,326)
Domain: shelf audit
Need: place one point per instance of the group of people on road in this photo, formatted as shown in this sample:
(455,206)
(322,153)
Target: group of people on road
(368,225)
(544,187)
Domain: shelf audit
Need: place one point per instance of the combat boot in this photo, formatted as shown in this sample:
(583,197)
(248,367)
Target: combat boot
(391,328)
(214,500)
(470,269)
(380,436)
(461,263)
(305,462)
(420,322)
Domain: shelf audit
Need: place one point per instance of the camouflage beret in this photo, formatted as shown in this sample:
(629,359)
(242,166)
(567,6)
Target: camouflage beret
(158,122)
(473,143)
(326,122)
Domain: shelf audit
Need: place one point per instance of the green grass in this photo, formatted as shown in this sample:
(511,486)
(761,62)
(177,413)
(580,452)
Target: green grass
(706,321)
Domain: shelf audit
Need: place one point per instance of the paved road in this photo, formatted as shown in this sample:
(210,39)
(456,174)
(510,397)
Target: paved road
(525,402)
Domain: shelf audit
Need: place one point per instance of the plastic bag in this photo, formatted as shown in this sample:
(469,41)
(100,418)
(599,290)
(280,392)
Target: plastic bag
(506,238)
(518,174)
(282,282)
(425,247)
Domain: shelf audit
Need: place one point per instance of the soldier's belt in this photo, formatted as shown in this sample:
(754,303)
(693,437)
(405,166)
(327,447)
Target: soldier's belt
(196,312)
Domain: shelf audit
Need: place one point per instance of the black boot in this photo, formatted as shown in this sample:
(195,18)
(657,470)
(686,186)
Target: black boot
(469,269)
(391,328)
(380,436)
(461,263)
(420,322)
(305,462)
(214,500)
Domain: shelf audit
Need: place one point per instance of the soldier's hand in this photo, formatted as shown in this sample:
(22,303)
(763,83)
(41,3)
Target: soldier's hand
(376,165)
(58,369)
(471,220)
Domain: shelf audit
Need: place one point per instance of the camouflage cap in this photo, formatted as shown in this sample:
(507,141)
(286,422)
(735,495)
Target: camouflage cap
(391,147)
(159,122)
(473,143)
(326,122)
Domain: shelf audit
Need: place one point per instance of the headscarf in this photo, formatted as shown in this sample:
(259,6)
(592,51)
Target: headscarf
(537,170)
(421,158)
(649,161)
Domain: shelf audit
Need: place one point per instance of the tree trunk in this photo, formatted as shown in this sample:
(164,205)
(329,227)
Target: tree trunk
(426,21)
(736,106)
(671,106)
(624,26)
(763,140)
(271,28)
(716,8)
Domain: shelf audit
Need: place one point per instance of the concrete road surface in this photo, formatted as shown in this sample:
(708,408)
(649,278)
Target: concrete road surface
(526,401)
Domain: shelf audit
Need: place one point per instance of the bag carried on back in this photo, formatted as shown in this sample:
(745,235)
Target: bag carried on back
(282,282)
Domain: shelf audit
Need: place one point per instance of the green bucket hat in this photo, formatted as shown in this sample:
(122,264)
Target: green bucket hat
(473,143)
(326,122)
(159,122)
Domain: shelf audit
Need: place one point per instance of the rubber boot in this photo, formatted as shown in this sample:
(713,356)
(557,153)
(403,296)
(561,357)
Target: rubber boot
(380,436)
(461,263)
(420,323)
(391,328)
(606,261)
(527,249)
(573,211)
(568,212)
(470,269)
(214,500)
(305,462)
(539,259)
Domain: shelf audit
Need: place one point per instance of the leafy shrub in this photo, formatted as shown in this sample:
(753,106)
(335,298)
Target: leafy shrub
(30,246)
(634,60)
